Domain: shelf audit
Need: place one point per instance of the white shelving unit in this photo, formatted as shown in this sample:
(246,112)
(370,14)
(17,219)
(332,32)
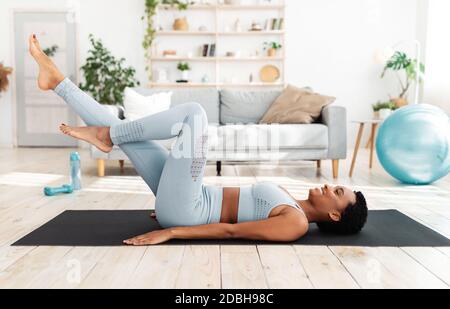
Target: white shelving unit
(217,34)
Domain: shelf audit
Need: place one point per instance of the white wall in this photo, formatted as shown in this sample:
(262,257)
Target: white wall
(437,85)
(330,44)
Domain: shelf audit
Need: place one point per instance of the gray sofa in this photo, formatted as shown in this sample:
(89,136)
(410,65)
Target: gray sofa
(236,136)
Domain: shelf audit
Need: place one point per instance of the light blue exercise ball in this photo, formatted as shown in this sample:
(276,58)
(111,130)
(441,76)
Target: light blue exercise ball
(413,144)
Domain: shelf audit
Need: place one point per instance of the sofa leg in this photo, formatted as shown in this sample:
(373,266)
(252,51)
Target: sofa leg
(335,169)
(122,165)
(219,168)
(319,164)
(101,168)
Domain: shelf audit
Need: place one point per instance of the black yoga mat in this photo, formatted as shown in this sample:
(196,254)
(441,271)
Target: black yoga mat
(94,228)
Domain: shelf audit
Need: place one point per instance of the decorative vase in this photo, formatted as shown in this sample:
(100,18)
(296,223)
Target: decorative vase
(400,102)
(181,24)
(385,113)
(205,79)
(185,75)
(272,52)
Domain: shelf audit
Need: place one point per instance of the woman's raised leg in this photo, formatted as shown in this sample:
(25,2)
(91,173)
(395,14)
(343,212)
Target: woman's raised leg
(179,201)
(148,157)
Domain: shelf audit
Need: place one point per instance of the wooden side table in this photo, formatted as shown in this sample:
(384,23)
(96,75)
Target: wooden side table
(374,123)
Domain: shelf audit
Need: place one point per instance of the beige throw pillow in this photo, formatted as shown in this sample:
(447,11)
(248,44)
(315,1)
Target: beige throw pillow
(296,106)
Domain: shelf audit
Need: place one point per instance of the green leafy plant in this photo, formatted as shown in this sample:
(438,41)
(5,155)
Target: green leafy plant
(106,77)
(273,45)
(384,105)
(150,33)
(181,5)
(51,51)
(401,62)
(183,66)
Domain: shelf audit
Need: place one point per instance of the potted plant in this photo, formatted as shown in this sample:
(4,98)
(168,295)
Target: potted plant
(400,62)
(382,110)
(184,68)
(181,24)
(106,77)
(272,48)
(4,82)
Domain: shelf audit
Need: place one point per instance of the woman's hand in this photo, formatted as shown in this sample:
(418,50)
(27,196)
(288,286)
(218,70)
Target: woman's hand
(153,238)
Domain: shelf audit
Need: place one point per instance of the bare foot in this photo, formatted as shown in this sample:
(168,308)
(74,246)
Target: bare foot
(49,75)
(97,136)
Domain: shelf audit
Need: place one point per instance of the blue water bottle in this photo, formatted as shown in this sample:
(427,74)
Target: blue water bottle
(75,170)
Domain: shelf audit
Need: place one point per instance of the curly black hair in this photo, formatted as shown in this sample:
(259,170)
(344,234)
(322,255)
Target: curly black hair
(352,221)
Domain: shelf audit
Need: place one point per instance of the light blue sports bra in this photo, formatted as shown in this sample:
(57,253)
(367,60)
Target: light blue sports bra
(256,202)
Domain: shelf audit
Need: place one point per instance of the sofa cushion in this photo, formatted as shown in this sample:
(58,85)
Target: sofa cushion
(208,98)
(245,106)
(296,136)
(138,106)
(296,106)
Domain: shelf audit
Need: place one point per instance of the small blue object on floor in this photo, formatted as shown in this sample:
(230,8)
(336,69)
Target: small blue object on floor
(67,189)
(75,170)
(413,144)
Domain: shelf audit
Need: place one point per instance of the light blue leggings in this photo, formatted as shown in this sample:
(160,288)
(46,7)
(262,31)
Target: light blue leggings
(176,178)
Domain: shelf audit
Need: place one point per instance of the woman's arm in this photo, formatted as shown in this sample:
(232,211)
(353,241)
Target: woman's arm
(286,227)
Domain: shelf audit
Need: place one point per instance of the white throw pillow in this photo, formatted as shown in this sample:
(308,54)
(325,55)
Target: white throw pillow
(138,106)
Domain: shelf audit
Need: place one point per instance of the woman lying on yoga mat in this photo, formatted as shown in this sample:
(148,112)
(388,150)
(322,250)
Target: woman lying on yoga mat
(185,207)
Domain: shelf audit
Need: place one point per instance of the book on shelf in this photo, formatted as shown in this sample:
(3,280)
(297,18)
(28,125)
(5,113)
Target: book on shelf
(209,50)
(273,24)
(212,50)
(205,50)
(281,24)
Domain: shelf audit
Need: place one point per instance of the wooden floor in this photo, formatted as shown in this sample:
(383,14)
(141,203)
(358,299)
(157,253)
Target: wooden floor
(24,172)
